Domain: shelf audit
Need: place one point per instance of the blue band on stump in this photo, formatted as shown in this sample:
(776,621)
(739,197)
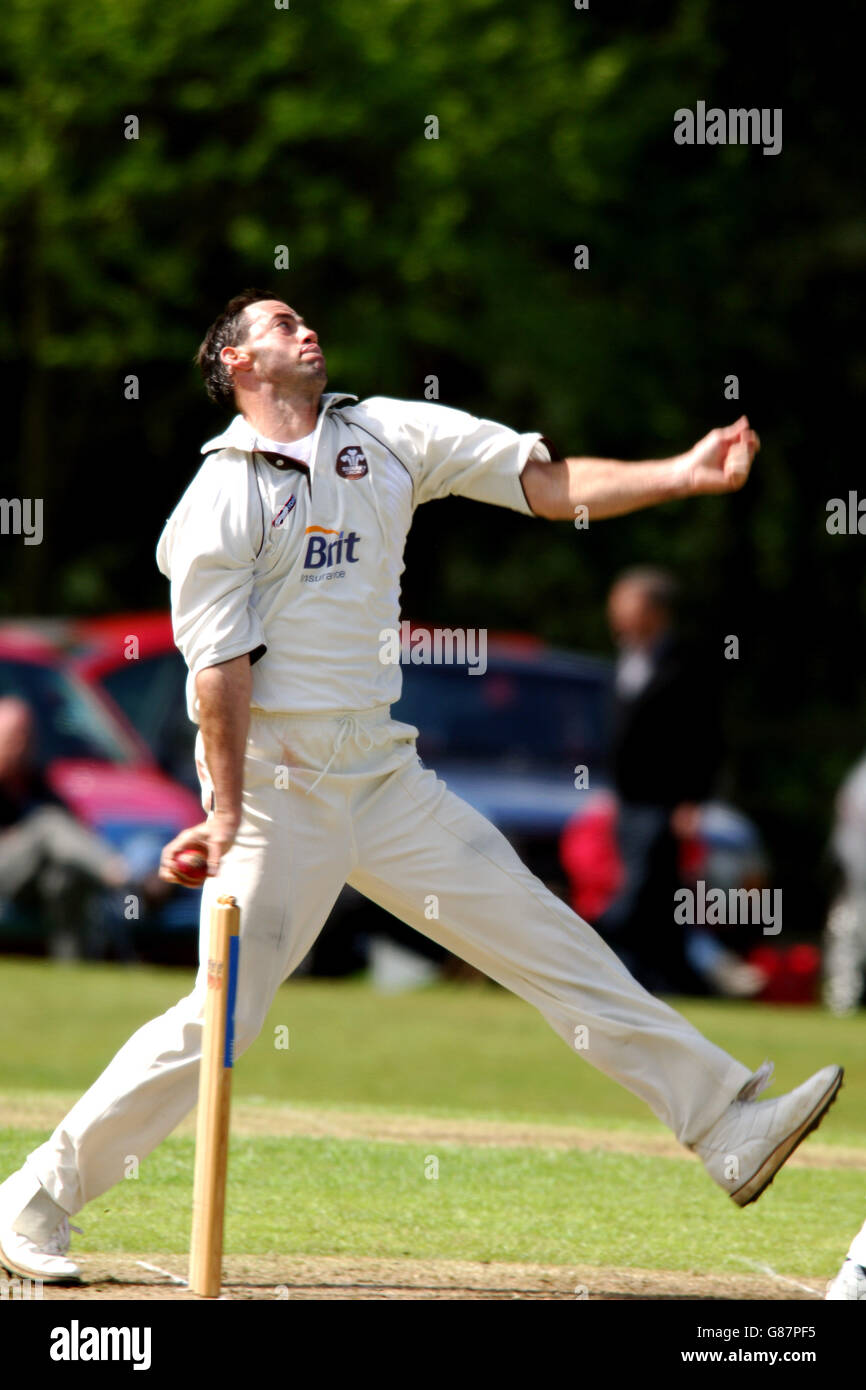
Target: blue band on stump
(234,955)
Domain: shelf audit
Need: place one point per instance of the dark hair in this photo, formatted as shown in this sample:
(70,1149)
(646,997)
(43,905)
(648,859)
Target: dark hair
(659,585)
(225,331)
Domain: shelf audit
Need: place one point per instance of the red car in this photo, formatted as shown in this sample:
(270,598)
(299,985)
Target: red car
(93,759)
(133,657)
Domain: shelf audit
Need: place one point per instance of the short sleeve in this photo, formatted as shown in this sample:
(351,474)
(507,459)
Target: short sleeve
(208,552)
(453,453)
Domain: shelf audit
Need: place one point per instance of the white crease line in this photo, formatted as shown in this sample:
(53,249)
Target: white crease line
(783,1278)
(155,1269)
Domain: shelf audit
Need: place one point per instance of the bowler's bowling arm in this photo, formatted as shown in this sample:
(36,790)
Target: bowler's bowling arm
(720,462)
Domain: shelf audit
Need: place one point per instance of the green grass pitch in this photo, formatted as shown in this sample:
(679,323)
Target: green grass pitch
(460,1053)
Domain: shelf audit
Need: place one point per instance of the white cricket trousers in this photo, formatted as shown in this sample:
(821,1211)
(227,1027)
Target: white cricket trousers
(347,799)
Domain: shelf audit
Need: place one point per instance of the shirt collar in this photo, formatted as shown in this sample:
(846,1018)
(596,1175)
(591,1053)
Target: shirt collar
(241,435)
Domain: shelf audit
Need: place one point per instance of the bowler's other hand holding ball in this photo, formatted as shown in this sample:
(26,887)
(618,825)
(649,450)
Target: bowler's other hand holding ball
(208,841)
(185,858)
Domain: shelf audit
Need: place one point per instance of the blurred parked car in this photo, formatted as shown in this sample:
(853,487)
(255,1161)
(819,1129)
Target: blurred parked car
(507,741)
(102,771)
(133,657)
(510,742)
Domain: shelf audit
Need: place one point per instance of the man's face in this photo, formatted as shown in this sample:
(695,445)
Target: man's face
(278,347)
(634,619)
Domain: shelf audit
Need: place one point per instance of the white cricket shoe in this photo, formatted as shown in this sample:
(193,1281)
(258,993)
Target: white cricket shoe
(744,1150)
(849,1284)
(47,1262)
(18,1253)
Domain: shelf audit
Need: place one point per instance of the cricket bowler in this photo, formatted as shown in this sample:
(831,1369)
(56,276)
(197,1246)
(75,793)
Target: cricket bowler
(284,556)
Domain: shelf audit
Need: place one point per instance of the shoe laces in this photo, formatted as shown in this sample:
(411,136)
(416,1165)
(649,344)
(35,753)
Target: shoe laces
(757,1083)
(58,1242)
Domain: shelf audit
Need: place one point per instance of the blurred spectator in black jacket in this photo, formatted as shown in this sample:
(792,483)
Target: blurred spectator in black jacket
(666,750)
(49,863)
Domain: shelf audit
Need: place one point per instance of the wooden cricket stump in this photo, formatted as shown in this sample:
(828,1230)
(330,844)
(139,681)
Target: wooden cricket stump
(214,1101)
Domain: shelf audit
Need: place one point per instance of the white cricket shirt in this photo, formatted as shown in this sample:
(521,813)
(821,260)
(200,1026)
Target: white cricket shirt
(298,562)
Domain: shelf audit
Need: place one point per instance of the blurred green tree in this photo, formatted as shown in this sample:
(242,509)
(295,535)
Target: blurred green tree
(153,158)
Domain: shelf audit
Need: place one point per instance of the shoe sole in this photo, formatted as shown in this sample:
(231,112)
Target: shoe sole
(760,1181)
(20,1272)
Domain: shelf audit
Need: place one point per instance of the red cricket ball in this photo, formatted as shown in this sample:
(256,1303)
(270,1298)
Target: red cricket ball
(190,866)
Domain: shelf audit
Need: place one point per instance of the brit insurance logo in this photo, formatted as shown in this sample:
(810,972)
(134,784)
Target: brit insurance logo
(327,551)
(351,462)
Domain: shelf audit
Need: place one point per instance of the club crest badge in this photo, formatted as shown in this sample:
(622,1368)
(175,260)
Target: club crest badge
(351,462)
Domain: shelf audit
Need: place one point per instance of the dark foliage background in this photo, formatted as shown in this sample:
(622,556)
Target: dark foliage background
(454,256)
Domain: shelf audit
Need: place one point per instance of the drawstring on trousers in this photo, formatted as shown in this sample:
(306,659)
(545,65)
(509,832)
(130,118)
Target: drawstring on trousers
(349,728)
